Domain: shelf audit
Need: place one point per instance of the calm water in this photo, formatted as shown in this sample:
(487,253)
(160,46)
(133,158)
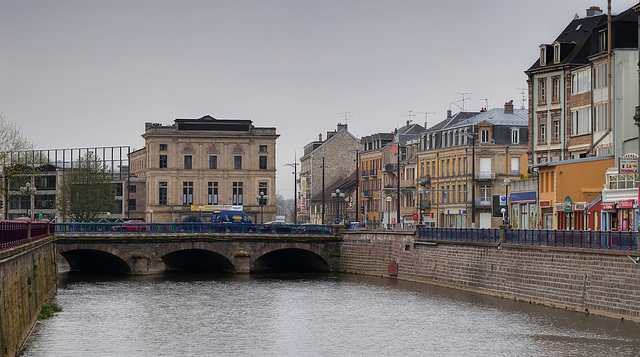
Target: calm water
(311,315)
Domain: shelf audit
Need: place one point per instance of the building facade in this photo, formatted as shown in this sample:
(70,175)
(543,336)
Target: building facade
(323,163)
(464,162)
(196,165)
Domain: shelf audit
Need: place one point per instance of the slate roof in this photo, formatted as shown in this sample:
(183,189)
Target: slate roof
(497,116)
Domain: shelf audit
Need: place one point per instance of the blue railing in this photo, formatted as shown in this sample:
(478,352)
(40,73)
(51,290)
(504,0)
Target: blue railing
(191,227)
(554,238)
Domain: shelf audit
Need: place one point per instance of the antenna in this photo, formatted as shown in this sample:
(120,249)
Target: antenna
(486,102)
(523,91)
(347,116)
(426,116)
(410,115)
(464,97)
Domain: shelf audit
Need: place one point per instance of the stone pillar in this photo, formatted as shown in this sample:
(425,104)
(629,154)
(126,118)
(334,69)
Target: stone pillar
(242,262)
(140,264)
(503,233)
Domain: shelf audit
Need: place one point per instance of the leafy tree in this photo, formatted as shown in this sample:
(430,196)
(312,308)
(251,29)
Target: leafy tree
(86,190)
(16,169)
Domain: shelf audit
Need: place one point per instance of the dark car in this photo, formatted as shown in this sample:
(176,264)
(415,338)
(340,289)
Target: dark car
(278,227)
(311,228)
(134,225)
(231,221)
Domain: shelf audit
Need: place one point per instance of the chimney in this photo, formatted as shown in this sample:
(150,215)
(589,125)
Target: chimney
(508,107)
(320,137)
(594,11)
(449,114)
(342,126)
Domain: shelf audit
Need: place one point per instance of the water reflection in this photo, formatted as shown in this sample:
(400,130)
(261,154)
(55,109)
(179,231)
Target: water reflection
(310,315)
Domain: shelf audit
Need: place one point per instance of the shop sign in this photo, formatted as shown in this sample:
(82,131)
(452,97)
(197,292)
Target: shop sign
(545,204)
(625,204)
(629,164)
(608,206)
(560,207)
(568,204)
(579,206)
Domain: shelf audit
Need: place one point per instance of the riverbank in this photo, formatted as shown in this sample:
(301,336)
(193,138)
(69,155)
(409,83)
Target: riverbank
(589,281)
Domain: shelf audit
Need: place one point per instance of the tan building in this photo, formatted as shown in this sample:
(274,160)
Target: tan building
(195,165)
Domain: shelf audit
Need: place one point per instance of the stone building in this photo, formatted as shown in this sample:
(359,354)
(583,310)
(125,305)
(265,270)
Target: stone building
(196,165)
(323,163)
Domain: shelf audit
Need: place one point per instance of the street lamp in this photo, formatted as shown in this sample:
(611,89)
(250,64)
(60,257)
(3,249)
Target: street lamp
(473,177)
(151,213)
(27,190)
(506,183)
(388,199)
(262,200)
(419,205)
(337,196)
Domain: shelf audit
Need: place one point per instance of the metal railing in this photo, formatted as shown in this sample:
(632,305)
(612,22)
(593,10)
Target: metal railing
(190,227)
(543,237)
(15,233)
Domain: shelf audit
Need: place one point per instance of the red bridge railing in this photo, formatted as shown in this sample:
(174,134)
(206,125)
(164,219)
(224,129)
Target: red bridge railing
(15,233)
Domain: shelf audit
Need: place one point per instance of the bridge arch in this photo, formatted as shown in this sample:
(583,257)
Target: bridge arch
(195,257)
(292,258)
(96,261)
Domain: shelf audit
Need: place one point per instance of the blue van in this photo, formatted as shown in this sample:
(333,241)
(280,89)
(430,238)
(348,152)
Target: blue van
(231,221)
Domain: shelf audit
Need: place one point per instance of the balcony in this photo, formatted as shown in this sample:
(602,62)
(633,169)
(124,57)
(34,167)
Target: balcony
(407,183)
(483,202)
(424,181)
(485,175)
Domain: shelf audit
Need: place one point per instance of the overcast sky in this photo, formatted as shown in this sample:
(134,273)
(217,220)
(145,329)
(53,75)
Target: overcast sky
(91,73)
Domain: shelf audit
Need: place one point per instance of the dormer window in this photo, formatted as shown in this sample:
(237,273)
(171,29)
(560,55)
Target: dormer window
(603,40)
(556,53)
(543,55)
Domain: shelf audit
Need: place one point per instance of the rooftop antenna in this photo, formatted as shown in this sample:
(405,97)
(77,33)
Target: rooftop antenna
(426,116)
(465,96)
(523,91)
(410,115)
(486,103)
(347,116)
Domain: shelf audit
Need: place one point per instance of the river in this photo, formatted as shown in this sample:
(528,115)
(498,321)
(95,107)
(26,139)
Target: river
(310,315)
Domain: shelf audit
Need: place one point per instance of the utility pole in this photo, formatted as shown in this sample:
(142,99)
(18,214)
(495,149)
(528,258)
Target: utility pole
(295,190)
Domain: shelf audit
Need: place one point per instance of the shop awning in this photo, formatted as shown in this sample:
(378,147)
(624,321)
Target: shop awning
(522,197)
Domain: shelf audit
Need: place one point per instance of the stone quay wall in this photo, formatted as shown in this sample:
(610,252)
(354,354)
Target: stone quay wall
(28,280)
(602,282)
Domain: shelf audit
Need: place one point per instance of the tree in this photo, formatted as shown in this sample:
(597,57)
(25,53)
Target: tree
(284,207)
(16,169)
(86,190)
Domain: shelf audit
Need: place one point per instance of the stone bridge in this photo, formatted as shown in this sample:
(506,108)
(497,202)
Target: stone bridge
(141,254)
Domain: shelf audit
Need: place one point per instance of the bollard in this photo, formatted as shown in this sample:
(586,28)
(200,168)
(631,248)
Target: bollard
(503,233)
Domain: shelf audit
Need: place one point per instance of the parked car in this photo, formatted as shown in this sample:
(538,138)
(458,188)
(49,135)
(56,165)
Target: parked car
(231,221)
(278,227)
(311,228)
(134,225)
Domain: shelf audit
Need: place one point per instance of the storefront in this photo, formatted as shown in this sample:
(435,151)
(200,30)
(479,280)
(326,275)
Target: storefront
(571,215)
(524,210)
(546,215)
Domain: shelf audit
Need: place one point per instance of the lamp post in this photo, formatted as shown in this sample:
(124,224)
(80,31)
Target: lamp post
(151,213)
(420,192)
(338,196)
(295,191)
(27,190)
(473,177)
(636,118)
(262,200)
(506,183)
(388,199)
